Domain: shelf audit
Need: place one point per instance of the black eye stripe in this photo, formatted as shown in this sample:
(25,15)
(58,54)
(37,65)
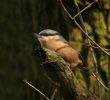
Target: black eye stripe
(45,34)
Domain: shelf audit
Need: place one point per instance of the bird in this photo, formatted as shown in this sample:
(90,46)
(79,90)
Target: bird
(54,41)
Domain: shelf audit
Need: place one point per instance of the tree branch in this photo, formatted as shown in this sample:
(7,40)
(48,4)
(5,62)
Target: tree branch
(59,71)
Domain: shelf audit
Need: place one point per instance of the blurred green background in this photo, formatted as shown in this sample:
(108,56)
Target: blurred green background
(20,18)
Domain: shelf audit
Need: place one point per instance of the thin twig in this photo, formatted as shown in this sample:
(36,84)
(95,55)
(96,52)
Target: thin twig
(95,47)
(100,81)
(83,10)
(65,9)
(36,89)
(53,95)
(88,45)
(95,76)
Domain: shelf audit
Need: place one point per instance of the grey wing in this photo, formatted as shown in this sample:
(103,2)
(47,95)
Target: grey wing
(63,39)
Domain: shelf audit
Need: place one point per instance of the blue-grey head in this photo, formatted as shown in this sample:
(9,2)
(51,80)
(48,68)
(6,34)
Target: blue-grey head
(47,34)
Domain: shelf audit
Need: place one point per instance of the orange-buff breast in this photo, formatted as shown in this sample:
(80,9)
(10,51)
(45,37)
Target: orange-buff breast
(68,53)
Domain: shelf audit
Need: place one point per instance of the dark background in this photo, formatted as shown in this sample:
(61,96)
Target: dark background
(20,18)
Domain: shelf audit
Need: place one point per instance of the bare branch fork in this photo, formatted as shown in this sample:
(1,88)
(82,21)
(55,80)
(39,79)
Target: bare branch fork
(83,30)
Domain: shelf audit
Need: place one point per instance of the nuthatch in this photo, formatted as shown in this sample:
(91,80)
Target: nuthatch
(52,40)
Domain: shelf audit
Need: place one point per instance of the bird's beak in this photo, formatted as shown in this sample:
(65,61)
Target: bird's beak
(36,35)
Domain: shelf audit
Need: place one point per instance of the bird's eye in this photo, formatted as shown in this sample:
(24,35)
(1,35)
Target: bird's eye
(45,34)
